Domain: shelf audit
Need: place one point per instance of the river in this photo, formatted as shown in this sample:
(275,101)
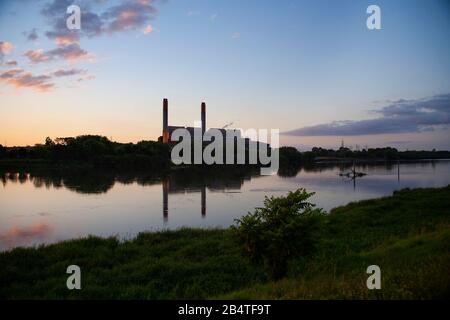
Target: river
(42,207)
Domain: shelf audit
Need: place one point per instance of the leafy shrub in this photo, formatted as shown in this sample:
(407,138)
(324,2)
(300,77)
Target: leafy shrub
(286,227)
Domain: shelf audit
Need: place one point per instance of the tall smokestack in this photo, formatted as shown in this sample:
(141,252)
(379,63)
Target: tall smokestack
(165,121)
(203,117)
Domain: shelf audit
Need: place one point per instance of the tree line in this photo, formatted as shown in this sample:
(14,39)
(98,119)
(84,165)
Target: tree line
(100,151)
(291,156)
(95,150)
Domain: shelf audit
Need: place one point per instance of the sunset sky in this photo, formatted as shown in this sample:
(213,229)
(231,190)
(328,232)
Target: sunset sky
(309,68)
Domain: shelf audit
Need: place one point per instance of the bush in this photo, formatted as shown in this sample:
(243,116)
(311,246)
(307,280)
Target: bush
(286,227)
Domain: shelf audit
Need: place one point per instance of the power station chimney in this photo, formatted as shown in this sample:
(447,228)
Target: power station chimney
(203,117)
(165,134)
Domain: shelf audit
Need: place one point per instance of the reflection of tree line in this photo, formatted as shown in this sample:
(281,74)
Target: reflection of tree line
(189,179)
(292,171)
(80,182)
(180,180)
(101,181)
(183,180)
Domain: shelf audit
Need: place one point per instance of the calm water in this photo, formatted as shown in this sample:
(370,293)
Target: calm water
(45,207)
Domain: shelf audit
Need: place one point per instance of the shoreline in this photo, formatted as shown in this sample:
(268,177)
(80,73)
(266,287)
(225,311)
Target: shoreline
(48,164)
(406,233)
(123,238)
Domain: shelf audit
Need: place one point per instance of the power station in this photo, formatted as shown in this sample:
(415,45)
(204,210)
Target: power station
(225,146)
(168,130)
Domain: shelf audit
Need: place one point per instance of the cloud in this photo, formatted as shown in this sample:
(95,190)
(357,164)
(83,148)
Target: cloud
(86,78)
(402,116)
(31,35)
(37,56)
(70,52)
(213,17)
(126,15)
(235,35)
(56,8)
(90,26)
(129,15)
(67,41)
(18,78)
(11,63)
(55,12)
(5,48)
(63,37)
(69,72)
(10,73)
(148,29)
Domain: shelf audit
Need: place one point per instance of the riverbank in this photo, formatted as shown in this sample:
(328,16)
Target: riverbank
(407,235)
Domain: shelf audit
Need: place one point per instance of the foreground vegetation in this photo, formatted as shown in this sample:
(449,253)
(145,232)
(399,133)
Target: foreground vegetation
(407,235)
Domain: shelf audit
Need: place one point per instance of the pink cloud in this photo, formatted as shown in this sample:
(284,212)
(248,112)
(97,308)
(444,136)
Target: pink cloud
(148,29)
(10,73)
(71,52)
(37,56)
(128,15)
(66,39)
(18,78)
(5,47)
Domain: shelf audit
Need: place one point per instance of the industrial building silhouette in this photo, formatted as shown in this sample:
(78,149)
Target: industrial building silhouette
(167,131)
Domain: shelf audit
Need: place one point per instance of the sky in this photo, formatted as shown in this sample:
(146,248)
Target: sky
(311,69)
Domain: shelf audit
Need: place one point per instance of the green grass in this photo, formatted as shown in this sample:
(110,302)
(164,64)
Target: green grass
(407,235)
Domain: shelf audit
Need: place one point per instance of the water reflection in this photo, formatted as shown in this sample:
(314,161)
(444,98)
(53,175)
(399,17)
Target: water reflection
(26,235)
(44,205)
(168,187)
(177,183)
(185,181)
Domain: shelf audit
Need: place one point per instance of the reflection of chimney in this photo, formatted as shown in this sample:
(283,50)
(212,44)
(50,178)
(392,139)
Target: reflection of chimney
(165,185)
(203,201)
(165,121)
(203,117)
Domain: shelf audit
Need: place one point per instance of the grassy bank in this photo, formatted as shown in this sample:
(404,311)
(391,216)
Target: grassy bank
(407,235)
